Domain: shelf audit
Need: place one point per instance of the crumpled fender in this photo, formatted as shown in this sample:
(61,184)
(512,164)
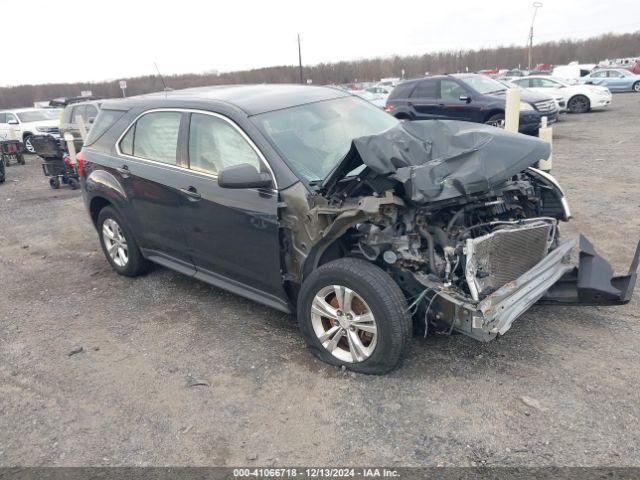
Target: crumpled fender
(593,282)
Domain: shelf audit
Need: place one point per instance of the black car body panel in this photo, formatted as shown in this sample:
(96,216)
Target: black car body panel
(430,199)
(415,103)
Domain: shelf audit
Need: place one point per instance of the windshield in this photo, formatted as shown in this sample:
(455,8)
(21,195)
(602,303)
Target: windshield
(483,84)
(314,137)
(39,115)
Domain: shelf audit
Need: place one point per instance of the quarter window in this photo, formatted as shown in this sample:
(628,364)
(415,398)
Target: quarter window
(154,137)
(214,144)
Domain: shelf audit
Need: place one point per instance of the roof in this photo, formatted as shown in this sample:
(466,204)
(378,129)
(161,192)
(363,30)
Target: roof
(252,99)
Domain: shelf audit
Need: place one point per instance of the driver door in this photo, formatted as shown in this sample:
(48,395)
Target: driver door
(232,234)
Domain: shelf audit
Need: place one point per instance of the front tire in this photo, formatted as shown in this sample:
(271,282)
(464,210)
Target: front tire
(496,120)
(118,244)
(351,313)
(579,104)
(28,146)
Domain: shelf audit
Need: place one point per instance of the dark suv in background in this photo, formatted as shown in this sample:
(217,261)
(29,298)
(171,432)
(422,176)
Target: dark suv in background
(469,97)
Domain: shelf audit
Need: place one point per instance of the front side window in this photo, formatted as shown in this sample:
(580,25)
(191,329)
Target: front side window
(483,84)
(450,90)
(154,137)
(315,137)
(214,144)
(599,74)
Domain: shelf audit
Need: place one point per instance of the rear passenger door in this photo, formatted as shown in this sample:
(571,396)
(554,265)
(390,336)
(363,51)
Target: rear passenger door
(232,233)
(152,175)
(424,101)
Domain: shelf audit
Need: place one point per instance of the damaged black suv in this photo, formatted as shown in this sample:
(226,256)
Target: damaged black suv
(313,201)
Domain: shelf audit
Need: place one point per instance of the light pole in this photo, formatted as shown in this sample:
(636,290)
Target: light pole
(299,60)
(536,6)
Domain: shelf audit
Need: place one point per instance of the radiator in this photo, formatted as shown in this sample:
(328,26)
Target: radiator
(503,255)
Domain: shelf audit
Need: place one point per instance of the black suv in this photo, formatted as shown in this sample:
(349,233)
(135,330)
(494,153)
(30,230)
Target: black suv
(314,201)
(470,97)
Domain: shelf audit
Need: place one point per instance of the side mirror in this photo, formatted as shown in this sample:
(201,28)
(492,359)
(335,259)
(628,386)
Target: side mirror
(465,98)
(243,176)
(12,122)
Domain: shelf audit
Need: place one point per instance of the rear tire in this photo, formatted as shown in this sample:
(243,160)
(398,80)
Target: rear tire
(54,182)
(119,245)
(579,104)
(74,183)
(372,294)
(636,87)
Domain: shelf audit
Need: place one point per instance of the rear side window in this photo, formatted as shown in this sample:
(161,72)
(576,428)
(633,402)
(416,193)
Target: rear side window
(92,112)
(426,89)
(154,137)
(403,90)
(104,121)
(214,144)
(3,118)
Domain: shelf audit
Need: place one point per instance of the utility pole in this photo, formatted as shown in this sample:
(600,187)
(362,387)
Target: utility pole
(299,59)
(536,6)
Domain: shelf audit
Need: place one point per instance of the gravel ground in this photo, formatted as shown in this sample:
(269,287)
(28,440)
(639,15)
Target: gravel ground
(561,388)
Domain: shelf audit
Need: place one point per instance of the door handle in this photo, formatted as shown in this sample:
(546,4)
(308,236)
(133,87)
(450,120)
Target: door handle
(191,193)
(124,171)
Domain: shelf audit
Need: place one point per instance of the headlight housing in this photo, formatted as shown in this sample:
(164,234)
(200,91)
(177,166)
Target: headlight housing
(526,107)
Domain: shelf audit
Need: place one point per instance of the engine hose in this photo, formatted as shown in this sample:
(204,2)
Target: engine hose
(430,249)
(440,236)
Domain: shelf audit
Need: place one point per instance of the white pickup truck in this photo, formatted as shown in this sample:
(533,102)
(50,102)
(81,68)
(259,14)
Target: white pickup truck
(27,122)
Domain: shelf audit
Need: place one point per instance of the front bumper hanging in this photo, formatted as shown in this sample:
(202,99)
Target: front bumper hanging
(592,282)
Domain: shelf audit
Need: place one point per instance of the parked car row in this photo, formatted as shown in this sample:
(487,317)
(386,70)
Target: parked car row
(470,97)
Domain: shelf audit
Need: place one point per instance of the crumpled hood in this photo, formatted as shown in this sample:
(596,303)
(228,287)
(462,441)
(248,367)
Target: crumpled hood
(442,159)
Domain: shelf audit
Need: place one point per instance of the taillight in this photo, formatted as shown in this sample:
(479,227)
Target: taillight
(387,108)
(80,161)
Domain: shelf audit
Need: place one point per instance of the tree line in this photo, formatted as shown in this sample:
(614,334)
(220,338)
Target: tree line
(559,52)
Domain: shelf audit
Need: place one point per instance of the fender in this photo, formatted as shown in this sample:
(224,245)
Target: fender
(104,183)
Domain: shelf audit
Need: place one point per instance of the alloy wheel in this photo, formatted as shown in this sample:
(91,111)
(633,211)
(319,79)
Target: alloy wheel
(28,145)
(115,242)
(344,323)
(636,87)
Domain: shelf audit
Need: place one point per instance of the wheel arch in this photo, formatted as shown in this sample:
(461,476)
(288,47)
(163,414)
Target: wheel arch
(96,205)
(490,113)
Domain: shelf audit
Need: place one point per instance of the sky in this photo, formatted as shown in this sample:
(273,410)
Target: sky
(112,39)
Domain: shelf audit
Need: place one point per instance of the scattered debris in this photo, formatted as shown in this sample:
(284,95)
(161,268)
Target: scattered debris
(533,403)
(24,247)
(75,350)
(194,382)
(252,456)
(188,429)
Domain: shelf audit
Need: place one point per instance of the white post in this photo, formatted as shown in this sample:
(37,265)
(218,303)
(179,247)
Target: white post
(546,134)
(82,127)
(72,147)
(512,110)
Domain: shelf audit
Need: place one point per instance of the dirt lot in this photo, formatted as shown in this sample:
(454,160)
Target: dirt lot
(561,388)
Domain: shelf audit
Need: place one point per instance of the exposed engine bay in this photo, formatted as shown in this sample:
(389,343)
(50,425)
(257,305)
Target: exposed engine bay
(456,213)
